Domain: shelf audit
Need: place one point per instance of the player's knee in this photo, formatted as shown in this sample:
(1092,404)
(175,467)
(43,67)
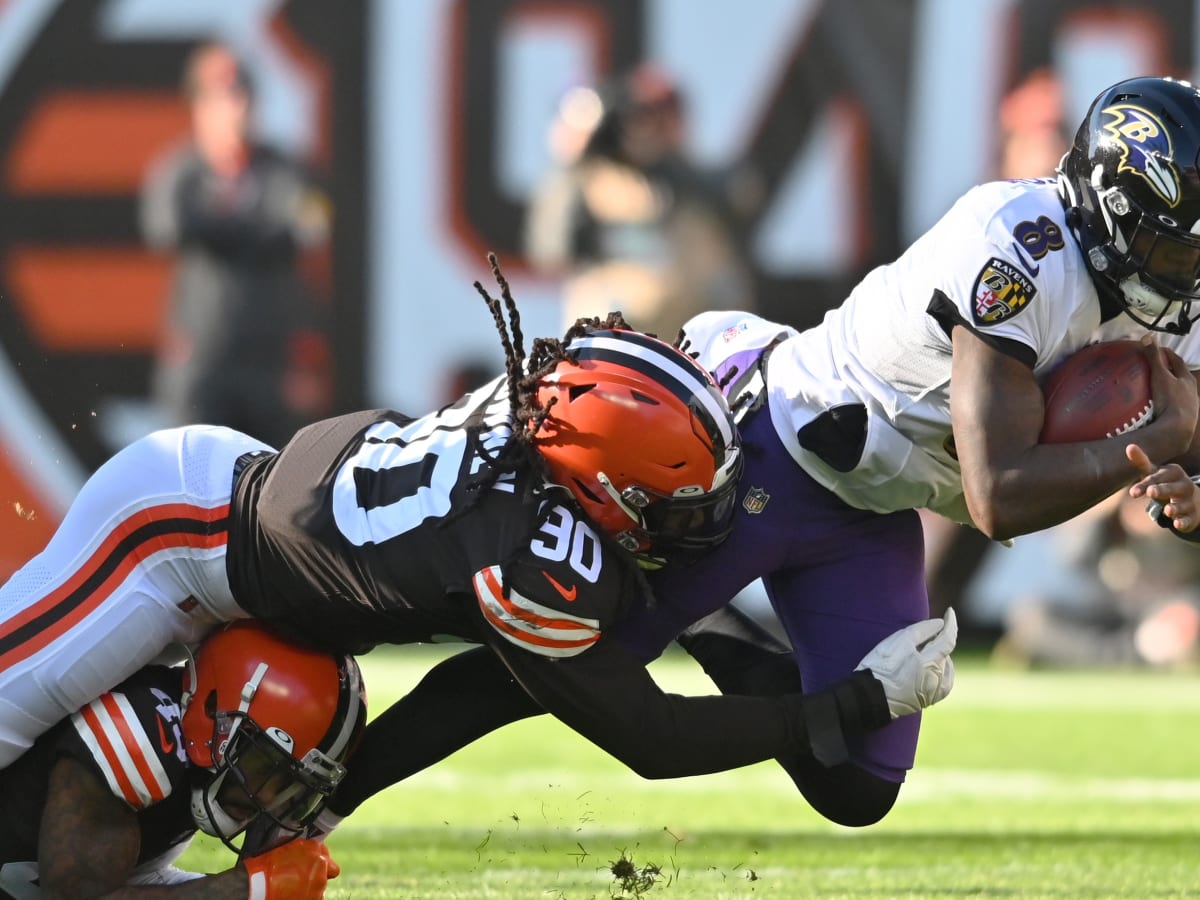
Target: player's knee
(845,794)
(860,809)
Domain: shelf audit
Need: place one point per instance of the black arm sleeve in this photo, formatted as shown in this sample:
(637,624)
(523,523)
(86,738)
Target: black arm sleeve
(459,701)
(607,696)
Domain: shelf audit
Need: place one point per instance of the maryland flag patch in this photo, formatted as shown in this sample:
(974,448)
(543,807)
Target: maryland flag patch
(1001,291)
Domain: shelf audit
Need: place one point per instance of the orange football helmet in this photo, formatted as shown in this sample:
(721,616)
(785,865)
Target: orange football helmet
(642,437)
(272,722)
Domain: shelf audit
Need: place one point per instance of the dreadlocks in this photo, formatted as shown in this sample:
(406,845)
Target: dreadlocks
(524,376)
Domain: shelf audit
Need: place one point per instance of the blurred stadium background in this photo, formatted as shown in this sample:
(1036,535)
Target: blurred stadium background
(428,119)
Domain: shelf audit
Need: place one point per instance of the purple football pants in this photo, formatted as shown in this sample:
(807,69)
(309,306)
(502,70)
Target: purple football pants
(840,579)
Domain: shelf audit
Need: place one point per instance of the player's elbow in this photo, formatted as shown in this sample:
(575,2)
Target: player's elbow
(994,525)
(990,512)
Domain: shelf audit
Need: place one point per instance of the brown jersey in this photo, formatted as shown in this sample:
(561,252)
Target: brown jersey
(129,738)
(373,528)
(376,528)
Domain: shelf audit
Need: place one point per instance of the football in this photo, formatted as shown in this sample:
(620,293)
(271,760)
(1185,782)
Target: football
(1099,391)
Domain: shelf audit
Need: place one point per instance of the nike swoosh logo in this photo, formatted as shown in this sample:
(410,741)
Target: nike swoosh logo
(1028,266)
(568,595)
(166,743)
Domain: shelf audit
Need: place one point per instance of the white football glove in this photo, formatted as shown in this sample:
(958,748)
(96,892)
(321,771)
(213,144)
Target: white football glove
(914,664)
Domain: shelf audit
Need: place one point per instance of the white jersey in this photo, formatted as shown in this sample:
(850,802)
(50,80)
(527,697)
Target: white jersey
(1001,262)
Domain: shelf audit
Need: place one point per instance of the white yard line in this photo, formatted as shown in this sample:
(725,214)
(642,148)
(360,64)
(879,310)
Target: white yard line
(924,784)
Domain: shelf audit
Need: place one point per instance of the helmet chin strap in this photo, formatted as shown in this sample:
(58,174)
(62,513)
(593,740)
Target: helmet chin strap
(210,817)
(626,539)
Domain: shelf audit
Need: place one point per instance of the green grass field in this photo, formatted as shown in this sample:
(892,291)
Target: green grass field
(1065,785)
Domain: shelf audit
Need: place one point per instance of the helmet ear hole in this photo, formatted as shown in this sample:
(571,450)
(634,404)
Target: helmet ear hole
(587,492)
(578,390)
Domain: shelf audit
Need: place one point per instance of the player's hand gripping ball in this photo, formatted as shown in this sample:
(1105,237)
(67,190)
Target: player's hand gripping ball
(1100,391)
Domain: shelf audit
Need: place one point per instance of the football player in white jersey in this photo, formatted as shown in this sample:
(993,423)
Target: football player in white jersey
(518,517)
(922,391)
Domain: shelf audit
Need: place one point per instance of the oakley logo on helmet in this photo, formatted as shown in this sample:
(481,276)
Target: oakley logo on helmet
(282,738)
(1145,148)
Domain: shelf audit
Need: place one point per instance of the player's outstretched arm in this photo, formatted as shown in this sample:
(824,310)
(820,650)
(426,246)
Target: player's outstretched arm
(608,696)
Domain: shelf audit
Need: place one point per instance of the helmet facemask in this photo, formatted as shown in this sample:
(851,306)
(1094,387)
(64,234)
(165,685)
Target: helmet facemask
(1154,264)
(680,527)
(257,780)
(266,724)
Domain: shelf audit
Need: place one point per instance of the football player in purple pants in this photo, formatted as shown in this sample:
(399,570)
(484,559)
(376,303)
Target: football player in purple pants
(851,426)
(519,517)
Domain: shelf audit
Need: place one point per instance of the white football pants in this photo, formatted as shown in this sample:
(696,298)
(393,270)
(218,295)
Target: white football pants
(137,565)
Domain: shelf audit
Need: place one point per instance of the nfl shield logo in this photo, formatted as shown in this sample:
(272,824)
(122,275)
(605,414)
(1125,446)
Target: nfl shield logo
(755,500)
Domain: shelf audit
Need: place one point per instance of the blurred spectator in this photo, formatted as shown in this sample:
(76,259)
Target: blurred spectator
(1033,133)
(241,347)
(1118,590)
(628,221)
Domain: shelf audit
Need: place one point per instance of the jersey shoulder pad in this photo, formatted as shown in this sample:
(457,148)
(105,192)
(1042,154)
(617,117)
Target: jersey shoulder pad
(132,737)
(536,617)
(714,337)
